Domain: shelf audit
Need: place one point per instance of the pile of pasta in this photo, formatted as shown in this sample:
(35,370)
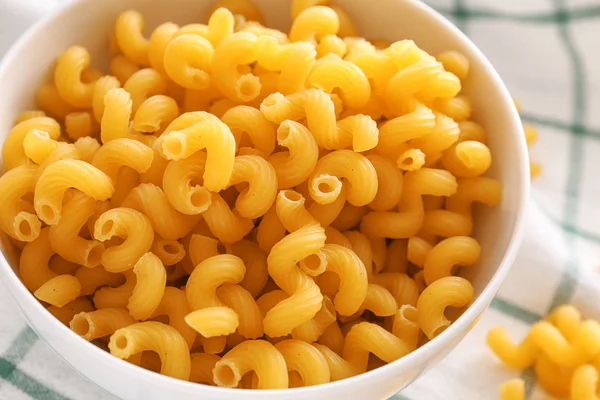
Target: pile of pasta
(243,207)
(563,350)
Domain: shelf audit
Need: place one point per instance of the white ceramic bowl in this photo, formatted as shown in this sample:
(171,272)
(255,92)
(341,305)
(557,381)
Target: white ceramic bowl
(499,230)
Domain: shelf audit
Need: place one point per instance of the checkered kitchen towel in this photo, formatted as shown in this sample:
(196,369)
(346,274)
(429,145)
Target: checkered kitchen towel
(548,53)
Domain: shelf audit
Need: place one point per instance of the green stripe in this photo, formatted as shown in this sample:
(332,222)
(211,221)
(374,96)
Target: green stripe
(561,126)
(26,383)
(572,229)
(570,276)
(460,13)
(528,375)
(398,396)
(20,346)
(561,16)
(515,311)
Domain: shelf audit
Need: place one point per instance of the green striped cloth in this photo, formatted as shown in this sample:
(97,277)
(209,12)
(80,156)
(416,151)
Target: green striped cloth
(548,52)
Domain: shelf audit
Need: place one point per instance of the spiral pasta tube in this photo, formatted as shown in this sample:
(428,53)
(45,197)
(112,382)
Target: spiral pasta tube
(67,77)
(13,152)
(166,341)
(16,220)
(128,31)
(305,297)
(187,60)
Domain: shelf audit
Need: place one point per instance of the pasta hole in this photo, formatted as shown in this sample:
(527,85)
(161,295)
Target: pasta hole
(170,248)
(325,187)
(440,329)
(80,325)
(200,198)
(173,148)
(95,255)
(313,265)
(283,132)
(121,342)
(409,313)
(25,228)
(107,228)
(292,196)
(226,376)
(408,161)
(248,87)
(47,212)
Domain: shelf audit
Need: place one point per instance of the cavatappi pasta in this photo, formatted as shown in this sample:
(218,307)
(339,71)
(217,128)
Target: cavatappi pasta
(563,350)
(261,209)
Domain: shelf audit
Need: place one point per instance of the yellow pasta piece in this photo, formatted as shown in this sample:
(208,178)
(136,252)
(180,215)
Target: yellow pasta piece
(331,44)
(333,338)
(123,68)
(513,390)
(155,113)
(13,152)
(67,77)
(33,264)
(201,291)
(417,251)
(467,159)
(236,50)
(209,133)
(151,279)
(187,60)
(252,355)
(174,304)
(396,259)
(364,338)
(581,349)
(129,224)
(331,72)
(18,221)
(202,366)
(254,201)
(303,358)
(170,252)
(65,174)
(459,250)
(65,313)
(269,231)
(311,330)
(432,303)
(454,62)
(129,33)
(470,130)
(65,238)
(241,301)
(49,100)
(445,133)
(249,120)
(59,290)
(553,378)
(116,115)
(117,297)
(166,341)
(295,165)
(313,23)
(157,44)
(567,319)
(93,278)
(25,115)
(96,324)
(379,301)
(122,153)
(150,200)
(305,298)
(396,132)
(177,182)
(79,124)
(405,326)
(584,384)
(389,184)
(103,86)
(518,356)
(407,222)
(143,84)
(458,108)
(325,182)
(256,265)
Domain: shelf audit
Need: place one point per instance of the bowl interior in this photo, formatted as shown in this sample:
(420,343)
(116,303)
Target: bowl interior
(89,23)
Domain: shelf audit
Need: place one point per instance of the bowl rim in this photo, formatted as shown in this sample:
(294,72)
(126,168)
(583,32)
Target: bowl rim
(466,320)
